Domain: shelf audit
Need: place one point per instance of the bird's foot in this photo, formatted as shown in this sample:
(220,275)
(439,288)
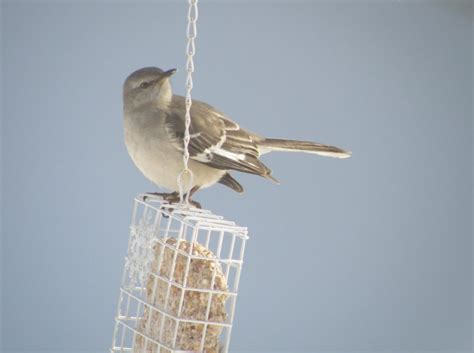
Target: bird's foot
(172,197)
(195,204)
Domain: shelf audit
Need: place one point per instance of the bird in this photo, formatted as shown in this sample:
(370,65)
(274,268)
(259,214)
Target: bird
(154,129)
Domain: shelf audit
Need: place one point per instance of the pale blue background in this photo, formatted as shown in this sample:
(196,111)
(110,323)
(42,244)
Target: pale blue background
(367,254)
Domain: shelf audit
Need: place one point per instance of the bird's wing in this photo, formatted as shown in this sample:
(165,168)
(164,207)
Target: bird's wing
(215,140)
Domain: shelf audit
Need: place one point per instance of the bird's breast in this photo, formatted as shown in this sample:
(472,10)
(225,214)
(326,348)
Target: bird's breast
(156,157)
(150,149)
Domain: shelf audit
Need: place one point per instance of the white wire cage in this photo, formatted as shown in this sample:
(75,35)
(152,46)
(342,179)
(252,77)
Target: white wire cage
(180,281)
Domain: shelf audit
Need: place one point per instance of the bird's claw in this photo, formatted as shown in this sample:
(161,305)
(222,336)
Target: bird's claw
(195,204)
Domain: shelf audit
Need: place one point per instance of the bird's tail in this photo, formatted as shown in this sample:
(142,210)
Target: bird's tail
(270,144)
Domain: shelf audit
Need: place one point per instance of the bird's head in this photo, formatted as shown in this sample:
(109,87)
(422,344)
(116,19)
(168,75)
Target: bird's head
(149,85)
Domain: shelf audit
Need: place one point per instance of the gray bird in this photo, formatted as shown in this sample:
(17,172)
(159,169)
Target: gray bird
(154,125)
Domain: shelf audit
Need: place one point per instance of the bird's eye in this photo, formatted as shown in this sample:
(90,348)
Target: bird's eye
(145,84)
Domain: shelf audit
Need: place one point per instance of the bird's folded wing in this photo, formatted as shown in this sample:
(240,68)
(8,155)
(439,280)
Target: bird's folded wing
(215,140)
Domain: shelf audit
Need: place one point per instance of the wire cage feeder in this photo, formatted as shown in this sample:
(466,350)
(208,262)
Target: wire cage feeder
(180,281)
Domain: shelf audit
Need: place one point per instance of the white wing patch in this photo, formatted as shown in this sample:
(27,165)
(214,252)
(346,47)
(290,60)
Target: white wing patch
(206,155)
(230,155)
(197,134)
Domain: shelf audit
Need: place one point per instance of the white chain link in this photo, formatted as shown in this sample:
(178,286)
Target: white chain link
(190,51)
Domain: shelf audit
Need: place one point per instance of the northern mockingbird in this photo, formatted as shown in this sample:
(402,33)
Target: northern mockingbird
(154,126)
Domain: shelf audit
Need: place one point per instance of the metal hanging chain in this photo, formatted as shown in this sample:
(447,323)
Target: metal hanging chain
(190,51)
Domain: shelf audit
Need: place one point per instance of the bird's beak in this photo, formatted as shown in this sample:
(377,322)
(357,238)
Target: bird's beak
(169,73)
